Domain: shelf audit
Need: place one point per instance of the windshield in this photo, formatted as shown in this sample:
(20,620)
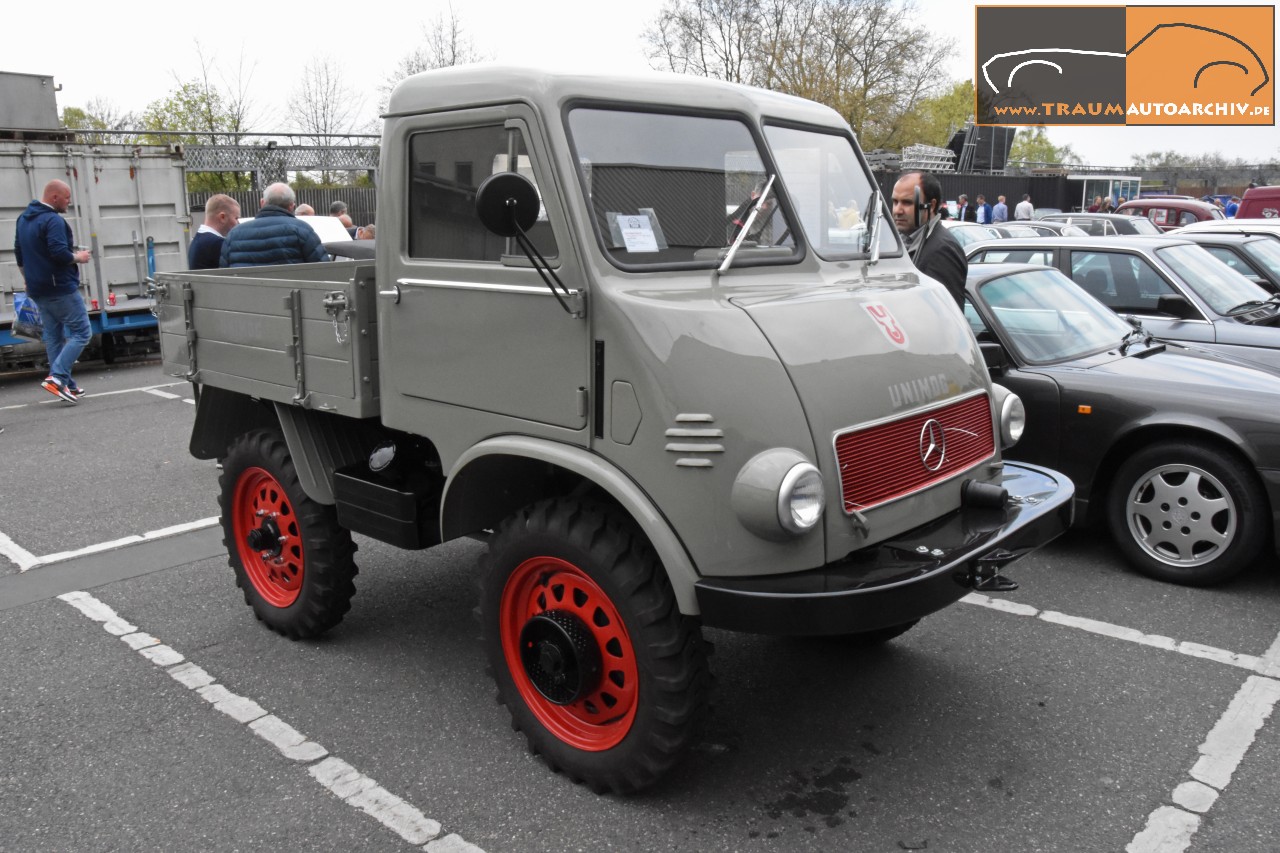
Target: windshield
(966,234)
(1266,254)
(1142,225)
(1046,317)
(677,189)
(830,190)
(1213,281)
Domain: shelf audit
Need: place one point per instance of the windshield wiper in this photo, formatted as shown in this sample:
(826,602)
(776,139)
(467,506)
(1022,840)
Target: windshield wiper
(873,227)
(746,227)
(1245,307)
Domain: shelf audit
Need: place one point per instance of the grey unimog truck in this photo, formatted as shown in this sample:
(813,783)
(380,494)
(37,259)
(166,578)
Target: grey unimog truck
(655,340)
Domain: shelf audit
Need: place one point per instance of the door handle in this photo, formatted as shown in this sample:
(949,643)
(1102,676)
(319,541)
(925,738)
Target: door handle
(393,294)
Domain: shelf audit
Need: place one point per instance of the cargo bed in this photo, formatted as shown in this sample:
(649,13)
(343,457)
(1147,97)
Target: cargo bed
(302,334)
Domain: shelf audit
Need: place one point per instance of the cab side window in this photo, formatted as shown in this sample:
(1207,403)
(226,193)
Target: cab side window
(445,167)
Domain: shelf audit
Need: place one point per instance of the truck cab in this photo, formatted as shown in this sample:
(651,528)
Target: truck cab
(655,339)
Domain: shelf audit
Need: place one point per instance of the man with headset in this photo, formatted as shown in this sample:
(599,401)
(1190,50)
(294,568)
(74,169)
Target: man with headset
(917,197)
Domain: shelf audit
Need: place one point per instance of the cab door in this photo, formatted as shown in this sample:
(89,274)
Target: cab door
(465,319)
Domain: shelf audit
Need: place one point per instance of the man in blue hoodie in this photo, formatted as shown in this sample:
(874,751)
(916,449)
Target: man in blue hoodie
(47,259)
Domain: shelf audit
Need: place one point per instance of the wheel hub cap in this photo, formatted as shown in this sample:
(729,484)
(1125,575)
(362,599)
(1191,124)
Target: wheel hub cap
(560,656)
(265,538)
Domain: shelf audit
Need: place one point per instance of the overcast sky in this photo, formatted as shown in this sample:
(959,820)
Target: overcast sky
(132,55)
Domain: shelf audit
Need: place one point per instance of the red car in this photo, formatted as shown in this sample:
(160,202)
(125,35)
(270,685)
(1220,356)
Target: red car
(1171,213)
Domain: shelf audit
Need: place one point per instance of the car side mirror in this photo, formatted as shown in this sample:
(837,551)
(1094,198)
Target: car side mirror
(994,356)
(1176,305)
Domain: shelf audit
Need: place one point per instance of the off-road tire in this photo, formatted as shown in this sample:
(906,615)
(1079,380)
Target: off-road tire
(309,589)
(566,556)
(1188,514)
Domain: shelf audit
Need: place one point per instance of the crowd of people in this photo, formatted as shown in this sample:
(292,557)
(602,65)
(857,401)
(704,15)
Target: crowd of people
(274,236)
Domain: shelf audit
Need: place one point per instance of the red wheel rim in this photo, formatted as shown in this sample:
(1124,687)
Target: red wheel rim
(259,497)
(602,718)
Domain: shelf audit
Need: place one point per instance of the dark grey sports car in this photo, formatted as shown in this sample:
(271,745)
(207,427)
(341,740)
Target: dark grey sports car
(1176,447)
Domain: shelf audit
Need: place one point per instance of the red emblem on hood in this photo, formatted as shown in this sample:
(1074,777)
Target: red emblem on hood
(887,323)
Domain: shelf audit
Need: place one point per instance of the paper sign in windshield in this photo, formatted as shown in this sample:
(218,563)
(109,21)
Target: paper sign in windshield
(637,233)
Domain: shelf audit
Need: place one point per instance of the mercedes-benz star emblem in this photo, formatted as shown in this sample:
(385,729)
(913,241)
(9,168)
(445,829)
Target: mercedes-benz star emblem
(933,445)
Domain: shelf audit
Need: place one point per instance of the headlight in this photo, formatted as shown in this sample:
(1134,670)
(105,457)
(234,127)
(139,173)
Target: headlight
(778,495)
(801,499)
(1012,415)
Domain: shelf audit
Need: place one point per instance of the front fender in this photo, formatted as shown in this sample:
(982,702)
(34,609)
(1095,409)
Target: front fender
(470,502)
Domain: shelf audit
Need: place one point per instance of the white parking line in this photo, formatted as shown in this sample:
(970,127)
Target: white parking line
(1170,828)
(336,775)
(27,561)
(149,389)
(1119,632)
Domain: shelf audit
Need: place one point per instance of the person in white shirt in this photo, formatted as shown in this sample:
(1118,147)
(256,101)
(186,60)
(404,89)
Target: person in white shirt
(1025,209)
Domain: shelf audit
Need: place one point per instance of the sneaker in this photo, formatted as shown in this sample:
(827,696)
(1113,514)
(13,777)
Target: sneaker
(77,391)
(54,386)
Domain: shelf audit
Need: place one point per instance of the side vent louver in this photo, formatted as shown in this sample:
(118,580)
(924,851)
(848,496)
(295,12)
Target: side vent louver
(692,439)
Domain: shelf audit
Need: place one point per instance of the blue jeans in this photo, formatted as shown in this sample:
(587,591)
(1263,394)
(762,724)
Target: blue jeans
(66,332)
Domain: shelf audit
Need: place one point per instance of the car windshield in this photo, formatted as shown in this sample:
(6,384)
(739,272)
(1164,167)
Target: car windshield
(1142,225)
(830,191)
(966,234)
(1266,254)
(1213,281)
(1046,317)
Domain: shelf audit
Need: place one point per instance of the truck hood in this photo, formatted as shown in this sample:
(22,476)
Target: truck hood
(865,353)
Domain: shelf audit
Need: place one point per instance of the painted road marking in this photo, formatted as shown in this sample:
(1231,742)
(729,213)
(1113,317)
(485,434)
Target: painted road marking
(337,776)
(148,389)
(1119,632)
(1170,829)
(16,554)
(27,561)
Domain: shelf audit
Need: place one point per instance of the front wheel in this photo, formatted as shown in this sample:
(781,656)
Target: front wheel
(291,558)
(1184,513)
(605,677)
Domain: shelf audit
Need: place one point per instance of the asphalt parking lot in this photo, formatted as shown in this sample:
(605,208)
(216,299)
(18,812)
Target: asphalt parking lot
(143,708)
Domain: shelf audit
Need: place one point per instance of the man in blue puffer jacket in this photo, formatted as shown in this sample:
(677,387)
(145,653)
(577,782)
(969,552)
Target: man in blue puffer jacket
(48,259)
(274,236)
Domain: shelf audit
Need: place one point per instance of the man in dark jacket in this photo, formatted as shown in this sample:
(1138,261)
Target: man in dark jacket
(917,196)
(274,236)
(48,261)
(221,214)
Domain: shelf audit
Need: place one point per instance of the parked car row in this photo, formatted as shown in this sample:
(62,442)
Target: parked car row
(1174,446)
(1150,370)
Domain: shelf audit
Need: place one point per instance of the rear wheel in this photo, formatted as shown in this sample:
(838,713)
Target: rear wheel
(1185,513)
(600,671)
(291,558)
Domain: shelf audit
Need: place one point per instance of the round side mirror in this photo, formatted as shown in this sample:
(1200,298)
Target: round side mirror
(507,203)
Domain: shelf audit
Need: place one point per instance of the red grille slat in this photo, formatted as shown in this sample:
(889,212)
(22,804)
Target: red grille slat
(882,463)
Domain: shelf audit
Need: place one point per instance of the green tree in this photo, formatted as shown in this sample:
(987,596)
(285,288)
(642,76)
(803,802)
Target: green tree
(935,119)
(211,108)
(1033,148)
(108,123)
